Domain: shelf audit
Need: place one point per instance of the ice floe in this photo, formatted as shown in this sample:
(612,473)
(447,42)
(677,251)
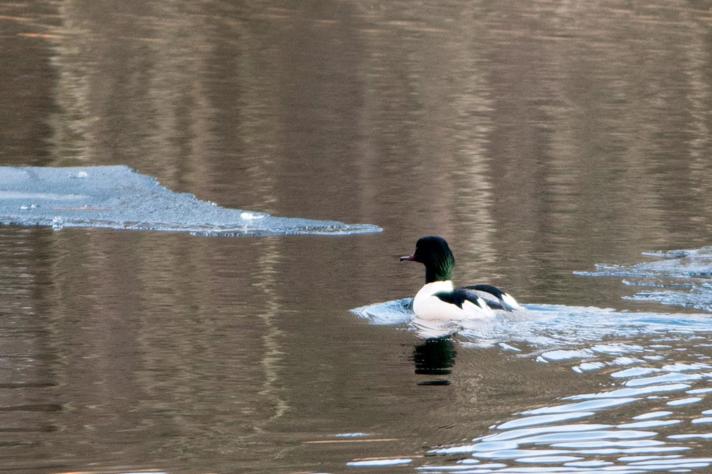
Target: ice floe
(117,197)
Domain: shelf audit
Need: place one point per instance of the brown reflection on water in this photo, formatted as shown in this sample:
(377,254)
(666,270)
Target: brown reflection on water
(460,113)
(539,138)
(122,360)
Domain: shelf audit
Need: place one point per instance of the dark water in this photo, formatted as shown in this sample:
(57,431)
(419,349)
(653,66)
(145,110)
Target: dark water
(540,138)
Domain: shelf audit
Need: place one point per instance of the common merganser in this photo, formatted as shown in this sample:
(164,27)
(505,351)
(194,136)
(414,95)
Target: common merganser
(438,299)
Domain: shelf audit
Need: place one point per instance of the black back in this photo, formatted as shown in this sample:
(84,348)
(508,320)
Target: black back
(493,290)
(458,297)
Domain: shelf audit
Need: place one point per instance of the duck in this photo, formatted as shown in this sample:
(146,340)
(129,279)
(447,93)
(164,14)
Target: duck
(438,299)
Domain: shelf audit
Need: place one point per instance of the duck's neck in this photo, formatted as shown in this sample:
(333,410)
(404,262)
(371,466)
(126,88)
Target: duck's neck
(440,273)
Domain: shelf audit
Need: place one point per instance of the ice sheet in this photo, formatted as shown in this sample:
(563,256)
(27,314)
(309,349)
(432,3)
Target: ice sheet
(117,197)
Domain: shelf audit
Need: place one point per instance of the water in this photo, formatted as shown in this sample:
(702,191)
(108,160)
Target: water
(551,144)
(659,362)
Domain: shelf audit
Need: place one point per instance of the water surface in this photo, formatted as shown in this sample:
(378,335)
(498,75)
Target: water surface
(540,139)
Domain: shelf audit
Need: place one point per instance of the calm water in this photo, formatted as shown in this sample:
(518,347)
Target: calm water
(540,138)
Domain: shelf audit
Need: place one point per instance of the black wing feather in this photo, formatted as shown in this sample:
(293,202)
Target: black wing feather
(458,297)
(492,290)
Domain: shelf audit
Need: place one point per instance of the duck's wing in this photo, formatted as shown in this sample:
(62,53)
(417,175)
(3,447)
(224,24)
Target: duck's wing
(460,295)
(495,298)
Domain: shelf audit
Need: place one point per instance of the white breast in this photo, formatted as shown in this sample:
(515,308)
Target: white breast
(428,306)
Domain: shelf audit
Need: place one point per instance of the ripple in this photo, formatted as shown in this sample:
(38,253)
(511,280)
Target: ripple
(380,462)
(633,392)
(566,355)
(519,453)
(702,421)
(634,372)
(587,436)
(551,325)
(684,367)
(444,468)
(351,435)
(684,401)
(648,424)
(648,458)
(543,419)
(589,367)
(582,406)
(528,432)
(691,436)
(605,443)
(537,434)
(699,391)
(589,464)
(652,414)
(673,463)
(663,379)
(549,459)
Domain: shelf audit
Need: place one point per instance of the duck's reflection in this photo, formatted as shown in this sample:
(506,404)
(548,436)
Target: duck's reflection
(435,356)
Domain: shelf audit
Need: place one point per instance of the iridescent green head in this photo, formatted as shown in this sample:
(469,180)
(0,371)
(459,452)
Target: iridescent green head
(435,254)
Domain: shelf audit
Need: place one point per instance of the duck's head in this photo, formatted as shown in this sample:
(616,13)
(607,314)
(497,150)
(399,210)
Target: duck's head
(435,254)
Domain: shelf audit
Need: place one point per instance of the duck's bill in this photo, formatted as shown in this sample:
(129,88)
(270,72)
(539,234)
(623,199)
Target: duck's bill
(407,258)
